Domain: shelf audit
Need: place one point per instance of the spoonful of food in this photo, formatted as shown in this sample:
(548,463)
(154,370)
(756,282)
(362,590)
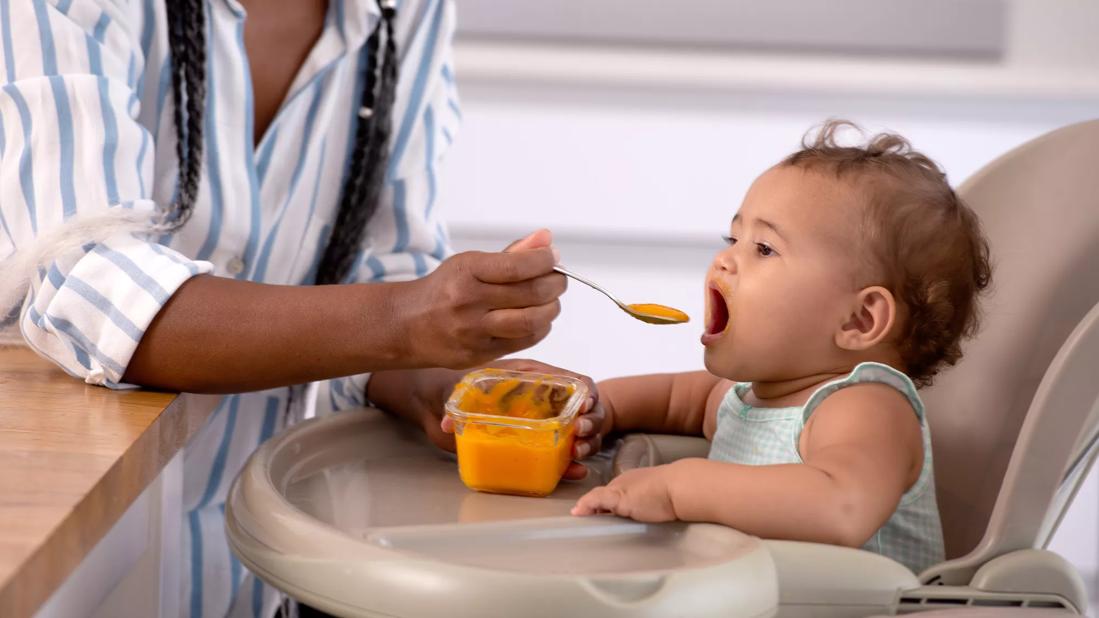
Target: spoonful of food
(646,312)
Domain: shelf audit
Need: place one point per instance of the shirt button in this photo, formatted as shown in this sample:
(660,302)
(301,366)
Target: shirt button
(235,266)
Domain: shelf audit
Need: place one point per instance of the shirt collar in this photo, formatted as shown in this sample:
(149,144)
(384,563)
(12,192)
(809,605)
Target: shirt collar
(355,20)
(352,20)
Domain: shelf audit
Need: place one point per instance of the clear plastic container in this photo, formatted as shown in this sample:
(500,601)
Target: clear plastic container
(515,430)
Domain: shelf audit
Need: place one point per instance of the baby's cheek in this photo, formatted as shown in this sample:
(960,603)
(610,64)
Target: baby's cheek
(731,361)
(808,301)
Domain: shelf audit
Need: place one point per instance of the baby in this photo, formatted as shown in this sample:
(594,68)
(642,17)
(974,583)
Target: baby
(850,278)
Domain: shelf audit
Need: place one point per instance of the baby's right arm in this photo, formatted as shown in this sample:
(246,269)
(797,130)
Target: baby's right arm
(675,403)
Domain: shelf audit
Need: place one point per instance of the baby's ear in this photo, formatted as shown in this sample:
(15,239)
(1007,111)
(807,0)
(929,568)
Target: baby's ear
(872,316)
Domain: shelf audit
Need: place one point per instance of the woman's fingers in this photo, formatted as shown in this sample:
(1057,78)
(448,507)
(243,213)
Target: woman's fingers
(439,436)
(521,323)
(534,240)
(479,306)
(591,420)
(538,291)
(511,267)
(588,439)
(586,447)
(575,471)
(510,346)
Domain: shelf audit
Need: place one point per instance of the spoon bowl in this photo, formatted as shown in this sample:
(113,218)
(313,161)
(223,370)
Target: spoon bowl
(650,313)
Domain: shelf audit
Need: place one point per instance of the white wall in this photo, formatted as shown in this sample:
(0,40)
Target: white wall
(637,159)
(638,199)
(1054,35)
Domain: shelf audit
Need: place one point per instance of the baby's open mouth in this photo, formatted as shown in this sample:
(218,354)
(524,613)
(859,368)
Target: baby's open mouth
(717,318)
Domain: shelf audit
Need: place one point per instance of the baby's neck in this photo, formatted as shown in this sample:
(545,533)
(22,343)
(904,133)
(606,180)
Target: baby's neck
(797,390)
(785,393)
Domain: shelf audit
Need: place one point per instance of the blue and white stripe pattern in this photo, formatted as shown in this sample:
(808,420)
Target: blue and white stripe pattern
(86,124)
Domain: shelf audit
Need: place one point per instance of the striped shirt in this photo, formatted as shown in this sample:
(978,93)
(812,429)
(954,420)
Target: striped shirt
(86,123)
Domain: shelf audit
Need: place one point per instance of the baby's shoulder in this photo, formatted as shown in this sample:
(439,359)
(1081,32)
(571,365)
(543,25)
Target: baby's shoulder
(864,398)
(867,410)
(872,387)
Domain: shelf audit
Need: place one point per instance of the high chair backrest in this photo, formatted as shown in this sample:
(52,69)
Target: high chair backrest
(1014,423)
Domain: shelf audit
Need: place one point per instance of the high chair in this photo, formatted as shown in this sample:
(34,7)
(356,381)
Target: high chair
(358,515)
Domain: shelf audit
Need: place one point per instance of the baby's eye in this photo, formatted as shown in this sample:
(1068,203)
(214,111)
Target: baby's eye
(729,240)
(765,250)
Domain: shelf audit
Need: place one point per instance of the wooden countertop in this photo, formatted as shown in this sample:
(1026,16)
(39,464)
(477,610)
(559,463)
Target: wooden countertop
(73,457)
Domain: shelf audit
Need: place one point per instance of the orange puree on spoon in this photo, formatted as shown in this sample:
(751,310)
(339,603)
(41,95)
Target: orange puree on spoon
(659,311)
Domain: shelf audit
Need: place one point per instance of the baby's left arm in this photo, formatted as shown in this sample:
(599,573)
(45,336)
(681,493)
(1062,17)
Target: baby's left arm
(861,450)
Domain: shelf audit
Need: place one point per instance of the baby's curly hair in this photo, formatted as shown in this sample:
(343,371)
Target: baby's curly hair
(923,243)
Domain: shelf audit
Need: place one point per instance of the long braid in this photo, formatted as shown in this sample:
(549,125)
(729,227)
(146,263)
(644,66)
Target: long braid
(187,42)
(366,174)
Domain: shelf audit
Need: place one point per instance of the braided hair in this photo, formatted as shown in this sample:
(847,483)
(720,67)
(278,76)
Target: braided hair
(366,171)
(187,47)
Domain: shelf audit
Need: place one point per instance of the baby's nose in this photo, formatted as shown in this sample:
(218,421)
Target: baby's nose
(725,261)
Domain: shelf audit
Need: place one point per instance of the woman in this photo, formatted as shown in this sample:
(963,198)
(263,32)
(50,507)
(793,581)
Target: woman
(182,173)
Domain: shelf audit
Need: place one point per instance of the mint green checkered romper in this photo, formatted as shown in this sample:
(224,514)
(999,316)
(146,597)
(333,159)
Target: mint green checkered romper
(766,436)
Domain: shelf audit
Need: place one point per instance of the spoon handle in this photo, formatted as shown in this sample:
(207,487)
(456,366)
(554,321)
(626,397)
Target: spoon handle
(591,284)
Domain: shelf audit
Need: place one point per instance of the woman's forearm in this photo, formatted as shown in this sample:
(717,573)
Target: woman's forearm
(218,335)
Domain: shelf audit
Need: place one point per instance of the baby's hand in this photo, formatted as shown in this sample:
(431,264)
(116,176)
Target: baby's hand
(643,494)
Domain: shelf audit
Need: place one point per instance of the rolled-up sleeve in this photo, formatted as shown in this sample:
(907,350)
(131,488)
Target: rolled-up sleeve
(70,144)
(407,238)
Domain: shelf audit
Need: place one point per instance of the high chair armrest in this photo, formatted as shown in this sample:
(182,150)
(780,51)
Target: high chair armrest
(642,450)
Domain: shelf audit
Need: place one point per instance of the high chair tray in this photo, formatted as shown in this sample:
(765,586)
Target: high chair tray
(359,516)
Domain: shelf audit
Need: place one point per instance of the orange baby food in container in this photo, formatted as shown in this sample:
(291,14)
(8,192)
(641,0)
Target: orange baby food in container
(515,430)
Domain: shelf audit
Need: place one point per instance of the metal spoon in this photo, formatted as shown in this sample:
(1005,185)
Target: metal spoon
(647,312)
